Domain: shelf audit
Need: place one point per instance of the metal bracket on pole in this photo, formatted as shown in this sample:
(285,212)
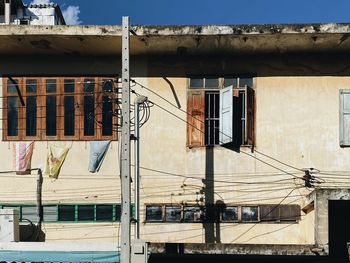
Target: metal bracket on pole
(125,249)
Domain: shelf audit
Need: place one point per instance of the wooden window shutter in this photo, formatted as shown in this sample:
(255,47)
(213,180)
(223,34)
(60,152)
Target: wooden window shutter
(195,118)
(344,118)
(249,116)
(290,212)
(269,212)
(226,115)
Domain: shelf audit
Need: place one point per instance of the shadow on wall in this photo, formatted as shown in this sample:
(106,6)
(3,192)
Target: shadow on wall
(29,233)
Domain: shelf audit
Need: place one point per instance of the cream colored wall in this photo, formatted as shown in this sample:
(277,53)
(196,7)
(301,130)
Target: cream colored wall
(296,122)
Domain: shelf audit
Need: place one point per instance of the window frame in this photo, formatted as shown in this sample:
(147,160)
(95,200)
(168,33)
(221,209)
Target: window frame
(41,95)
(201,91)
(219,217)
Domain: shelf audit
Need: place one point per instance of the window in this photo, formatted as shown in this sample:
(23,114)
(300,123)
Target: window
(104,212)
(230,214)
(66,213)
(276,213)
(59,108)
(250,214)
(279,213)
(173,213)
(192,214)
(86,213)
(344,118)
(154,213)
(70,213)
(220,111)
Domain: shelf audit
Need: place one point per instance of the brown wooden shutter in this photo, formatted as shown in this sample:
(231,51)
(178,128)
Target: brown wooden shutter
(195,119)
(290,212)
(249,116)
(269,212)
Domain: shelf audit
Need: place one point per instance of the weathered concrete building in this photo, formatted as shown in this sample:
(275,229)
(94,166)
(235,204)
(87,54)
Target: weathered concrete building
(18,13)
(289,105)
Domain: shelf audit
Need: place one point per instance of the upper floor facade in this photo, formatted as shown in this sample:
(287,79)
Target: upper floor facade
(288,104)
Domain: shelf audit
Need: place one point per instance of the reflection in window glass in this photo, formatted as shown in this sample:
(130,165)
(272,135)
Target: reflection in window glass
(50,85)
(249,213)
(31,116)
(66,213)
(31,85)
(86,212)
(104,212)
(89,85)
(69,116)
(230,81)
(107,117)
(50,213)
(118,212)
(107,85)
(51,115)
(246,82)
(196,82)
(12,116)
(69,85)
(230,214)
(172,213)
(154,213)
(89,116)
(29,213)
(11,86)
(211,82)
(192,214)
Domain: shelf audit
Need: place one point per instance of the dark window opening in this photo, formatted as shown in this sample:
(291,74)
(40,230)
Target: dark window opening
(86,212)
(69,85)
(192,214)
(173,213)
(230,214)
(107,116)
(154,213)
(31,116)
(89,108)
(69,116)
(51,115)
(12,116)
(66,213)
(89,116)
(104,212)
(212,117)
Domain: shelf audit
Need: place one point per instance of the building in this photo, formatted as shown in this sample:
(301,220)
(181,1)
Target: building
(18,13)
(201,191)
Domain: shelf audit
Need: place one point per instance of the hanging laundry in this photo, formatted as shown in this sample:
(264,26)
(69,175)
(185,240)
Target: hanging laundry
(22,157)
(55,158)
(98,150)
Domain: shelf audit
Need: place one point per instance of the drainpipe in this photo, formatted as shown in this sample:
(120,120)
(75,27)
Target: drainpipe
(139,100)
(39,205)
(7,11)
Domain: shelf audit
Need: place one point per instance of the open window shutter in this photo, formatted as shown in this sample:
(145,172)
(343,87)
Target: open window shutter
(226,115)
(344,118)
(249,116)
(195,118)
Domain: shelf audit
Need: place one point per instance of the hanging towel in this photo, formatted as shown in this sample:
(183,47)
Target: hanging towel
(55,158)
(98,150)
(22,157)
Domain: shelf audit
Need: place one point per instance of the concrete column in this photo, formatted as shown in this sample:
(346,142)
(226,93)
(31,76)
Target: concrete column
(7,11)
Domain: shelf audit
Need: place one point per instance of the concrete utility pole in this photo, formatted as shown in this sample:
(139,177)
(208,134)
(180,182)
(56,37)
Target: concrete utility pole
(7,4)
(125,147)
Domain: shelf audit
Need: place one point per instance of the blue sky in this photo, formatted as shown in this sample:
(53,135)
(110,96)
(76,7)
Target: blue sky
(199,12)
